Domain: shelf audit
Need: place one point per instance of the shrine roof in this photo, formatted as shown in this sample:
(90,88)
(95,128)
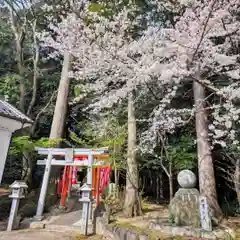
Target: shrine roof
(8,111)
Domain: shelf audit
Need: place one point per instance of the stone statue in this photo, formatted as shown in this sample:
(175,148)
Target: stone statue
(184,207)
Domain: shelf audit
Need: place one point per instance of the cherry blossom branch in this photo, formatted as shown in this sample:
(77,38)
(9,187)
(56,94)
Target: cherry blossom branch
(204,30)
(228,34)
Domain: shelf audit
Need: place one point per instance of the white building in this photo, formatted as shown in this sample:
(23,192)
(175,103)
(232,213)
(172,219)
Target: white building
(11,120)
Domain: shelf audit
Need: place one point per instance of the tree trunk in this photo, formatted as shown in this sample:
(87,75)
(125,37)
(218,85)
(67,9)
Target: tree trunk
(158,189)
(132,205)
(21,73)
(19,34)
(161,186)
(27,171)
(59,117)
(207,182)
(170,181)
(35,69)
(60,111)
(170,187)
(236,179)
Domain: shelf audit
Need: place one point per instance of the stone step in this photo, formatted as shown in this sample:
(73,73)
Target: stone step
(62,228)
(59,228)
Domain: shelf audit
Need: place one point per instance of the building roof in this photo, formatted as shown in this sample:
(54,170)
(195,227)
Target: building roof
(8,111)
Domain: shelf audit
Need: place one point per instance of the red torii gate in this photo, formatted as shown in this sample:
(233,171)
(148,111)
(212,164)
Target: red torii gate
(100,178)
(93,159)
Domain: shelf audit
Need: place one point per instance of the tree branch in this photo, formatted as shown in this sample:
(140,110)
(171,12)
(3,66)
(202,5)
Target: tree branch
(204,30)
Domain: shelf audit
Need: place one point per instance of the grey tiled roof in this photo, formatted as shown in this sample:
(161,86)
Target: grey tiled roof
(8,111)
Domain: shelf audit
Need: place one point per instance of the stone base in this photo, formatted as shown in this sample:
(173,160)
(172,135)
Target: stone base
(38,218)
(216,234)
(37,225)
(184,208)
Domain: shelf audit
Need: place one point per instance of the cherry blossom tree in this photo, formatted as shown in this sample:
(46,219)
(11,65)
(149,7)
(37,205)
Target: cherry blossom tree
(203,44)
(197,46)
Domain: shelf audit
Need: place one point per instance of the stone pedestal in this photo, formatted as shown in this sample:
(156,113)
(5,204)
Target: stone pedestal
(184,208)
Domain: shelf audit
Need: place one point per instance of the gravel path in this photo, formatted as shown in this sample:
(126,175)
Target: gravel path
(36,235)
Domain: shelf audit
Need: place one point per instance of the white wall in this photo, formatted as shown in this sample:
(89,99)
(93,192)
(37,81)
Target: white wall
(5,137)
(7,127)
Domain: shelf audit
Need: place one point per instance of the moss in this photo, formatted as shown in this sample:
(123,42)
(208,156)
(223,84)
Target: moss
(83,237)
(80,237)
(127,225)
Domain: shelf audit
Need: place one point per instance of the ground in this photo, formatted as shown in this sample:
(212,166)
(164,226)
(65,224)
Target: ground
(42,234)
(59,222)
(36,235)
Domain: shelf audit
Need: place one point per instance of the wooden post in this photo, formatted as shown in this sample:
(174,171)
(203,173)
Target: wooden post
(65,186)
(70,182)
(89,181)
(97,185)
(94,180)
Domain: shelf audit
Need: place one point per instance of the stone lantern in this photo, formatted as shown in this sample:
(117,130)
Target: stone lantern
(86,201)
(17,192)
(18,189)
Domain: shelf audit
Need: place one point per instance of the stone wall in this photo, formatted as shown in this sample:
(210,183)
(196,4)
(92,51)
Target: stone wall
(114,232)
(216,234)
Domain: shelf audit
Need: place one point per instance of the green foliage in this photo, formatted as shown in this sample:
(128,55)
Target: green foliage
(115,139)
(6,48)
(79,141)
(6,34)
(26,144)
(9,86)
(109,132)
(183,153)
(97,7)
(179,152)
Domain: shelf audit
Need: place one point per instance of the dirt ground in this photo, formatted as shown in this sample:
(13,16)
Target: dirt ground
(36,235)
